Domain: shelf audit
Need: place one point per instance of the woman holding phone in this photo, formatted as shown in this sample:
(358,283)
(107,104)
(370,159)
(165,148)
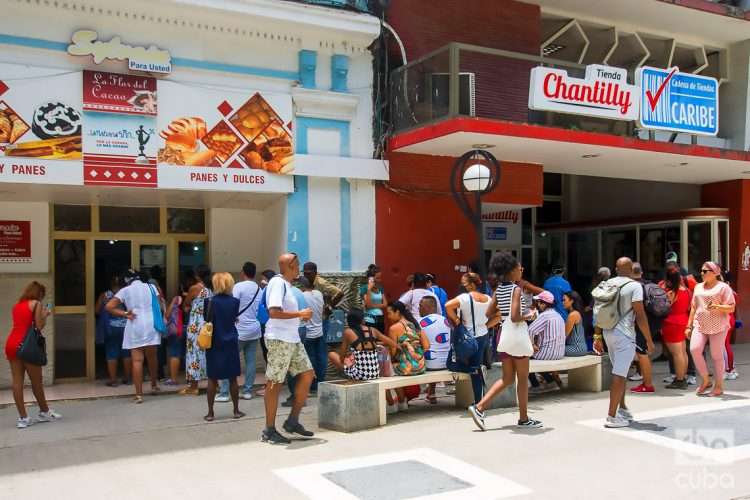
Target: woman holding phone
(713,303)
(375,299)
(28,311)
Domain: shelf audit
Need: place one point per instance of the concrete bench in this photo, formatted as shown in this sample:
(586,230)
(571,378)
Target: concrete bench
(348,405)
(588,373)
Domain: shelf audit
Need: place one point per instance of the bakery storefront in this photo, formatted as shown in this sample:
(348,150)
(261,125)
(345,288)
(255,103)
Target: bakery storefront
(123,150)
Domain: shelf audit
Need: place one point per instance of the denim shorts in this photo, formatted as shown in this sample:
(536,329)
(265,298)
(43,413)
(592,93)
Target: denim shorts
(174,346)
(113,344)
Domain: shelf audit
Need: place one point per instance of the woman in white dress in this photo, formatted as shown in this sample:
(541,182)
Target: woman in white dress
(140,335)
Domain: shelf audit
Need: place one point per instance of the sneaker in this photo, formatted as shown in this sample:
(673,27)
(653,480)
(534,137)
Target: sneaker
(170,383)
(624,413)
(616,422)
(403,406)
(391,409)
(246,395)
(677,384)
(478,417)
(272,436)
(297,429)
(48,416)
(669,379)
(530,424)
(642,389)
(691,380)
(636,377)
(731,375)
(222,398)
(23,422)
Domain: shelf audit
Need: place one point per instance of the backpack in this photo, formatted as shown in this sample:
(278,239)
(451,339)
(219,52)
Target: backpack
(262,315)
(655,300)
(607,303)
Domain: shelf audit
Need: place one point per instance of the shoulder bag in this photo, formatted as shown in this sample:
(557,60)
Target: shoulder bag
(159,325)
(514,337)
(464,345)
(205,336)
(33,349)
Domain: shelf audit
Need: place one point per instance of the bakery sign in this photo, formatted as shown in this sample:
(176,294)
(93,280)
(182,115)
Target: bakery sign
(604,92)
(15,241)
(149,59)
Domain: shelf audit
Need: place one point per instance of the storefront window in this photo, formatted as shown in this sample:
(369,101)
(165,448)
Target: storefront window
(72,217)
(186,220)
(723,244)
(549,253)
(655,243)
(70,272)
(582,260)
(552,184)
(699,245)
(70,345)
(129,219)
(549,213)
(617,243)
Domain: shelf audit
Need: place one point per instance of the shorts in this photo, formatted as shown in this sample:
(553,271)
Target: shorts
(174,346)
(113,344)
(286,358)
(640,343)
(621,352)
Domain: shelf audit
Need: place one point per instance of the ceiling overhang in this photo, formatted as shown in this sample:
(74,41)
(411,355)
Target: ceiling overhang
(577,152)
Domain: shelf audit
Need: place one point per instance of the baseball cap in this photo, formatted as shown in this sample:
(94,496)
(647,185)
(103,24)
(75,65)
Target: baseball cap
(671,257)
(545,297)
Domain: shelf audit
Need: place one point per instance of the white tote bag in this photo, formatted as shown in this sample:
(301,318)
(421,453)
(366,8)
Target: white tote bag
(514,339)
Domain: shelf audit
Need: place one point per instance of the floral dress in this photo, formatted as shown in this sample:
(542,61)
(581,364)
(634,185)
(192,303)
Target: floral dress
(195,358)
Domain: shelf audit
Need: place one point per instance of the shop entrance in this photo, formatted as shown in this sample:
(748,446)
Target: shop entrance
(93,244)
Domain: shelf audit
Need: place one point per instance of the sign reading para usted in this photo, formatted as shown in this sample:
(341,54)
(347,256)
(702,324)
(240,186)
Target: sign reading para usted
(15,241)
(604,92)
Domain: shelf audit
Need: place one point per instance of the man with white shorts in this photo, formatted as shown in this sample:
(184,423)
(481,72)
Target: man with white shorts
(621,340)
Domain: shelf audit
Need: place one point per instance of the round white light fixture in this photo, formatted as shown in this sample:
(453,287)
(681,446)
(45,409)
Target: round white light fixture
(476,177)
(111,242)
(195,249)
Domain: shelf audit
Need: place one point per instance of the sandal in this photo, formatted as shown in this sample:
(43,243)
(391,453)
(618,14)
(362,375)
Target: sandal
(701,391)
(187,391)
(138,400)
(208,418)
(239,414)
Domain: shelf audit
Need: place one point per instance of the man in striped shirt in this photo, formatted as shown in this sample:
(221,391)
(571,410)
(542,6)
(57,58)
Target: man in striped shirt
(548,336)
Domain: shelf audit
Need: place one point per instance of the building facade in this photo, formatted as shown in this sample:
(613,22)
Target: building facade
(622,128)
(161,135)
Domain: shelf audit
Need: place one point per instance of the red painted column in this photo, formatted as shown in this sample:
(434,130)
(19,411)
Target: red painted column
(735,195)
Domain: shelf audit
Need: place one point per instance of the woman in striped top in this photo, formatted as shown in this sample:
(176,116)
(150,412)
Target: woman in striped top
(508,299)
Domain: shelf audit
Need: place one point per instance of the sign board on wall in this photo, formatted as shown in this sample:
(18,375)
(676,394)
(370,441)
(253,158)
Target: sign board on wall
(679,102)
(151,59)
(604,92)
(501,226)
(15,241)
(97,128)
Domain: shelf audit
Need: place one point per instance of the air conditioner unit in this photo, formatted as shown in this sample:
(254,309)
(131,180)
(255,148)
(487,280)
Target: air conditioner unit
(439,90)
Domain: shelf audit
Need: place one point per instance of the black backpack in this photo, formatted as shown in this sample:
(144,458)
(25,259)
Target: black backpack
(655,300)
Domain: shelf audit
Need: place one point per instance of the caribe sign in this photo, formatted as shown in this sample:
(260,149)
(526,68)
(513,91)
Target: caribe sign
(151,59)
(604,92)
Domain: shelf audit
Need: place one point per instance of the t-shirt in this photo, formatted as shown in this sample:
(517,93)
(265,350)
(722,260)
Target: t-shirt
(438,332)
(480,314)
(558,286)
(629,293)
(315,302)
(248,293)
(279,294)
(139,332)
(412,298)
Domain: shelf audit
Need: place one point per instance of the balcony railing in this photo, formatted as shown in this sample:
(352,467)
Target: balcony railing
(357,5)
(461,80)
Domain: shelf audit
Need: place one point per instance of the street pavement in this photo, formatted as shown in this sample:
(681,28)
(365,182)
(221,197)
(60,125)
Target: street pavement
(683,447)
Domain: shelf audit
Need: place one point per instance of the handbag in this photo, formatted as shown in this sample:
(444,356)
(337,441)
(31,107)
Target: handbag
(159,325)
(514,339)
(205,336)
(175,323)
(33,349)
(462,355)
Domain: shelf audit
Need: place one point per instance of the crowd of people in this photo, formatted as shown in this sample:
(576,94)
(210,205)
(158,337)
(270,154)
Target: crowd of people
(287,314)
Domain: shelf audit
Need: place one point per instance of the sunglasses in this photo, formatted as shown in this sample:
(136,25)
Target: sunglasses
(704,271)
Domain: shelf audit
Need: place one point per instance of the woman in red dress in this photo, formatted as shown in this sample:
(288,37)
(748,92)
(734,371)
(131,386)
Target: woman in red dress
(27,309)
(673,327)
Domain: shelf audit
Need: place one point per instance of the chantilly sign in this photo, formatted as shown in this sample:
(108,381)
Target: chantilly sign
(151,59)
(604,92)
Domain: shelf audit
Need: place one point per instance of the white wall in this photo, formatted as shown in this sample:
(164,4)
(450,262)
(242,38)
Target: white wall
(363,223)
(324,202)
(735,98)
(275,233)
(591,198)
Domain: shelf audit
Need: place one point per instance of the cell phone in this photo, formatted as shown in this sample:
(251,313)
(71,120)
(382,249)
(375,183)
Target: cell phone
(49,307)
(371,280)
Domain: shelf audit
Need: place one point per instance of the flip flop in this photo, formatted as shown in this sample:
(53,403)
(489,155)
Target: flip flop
(138,400)
(239,415)
(208,418)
